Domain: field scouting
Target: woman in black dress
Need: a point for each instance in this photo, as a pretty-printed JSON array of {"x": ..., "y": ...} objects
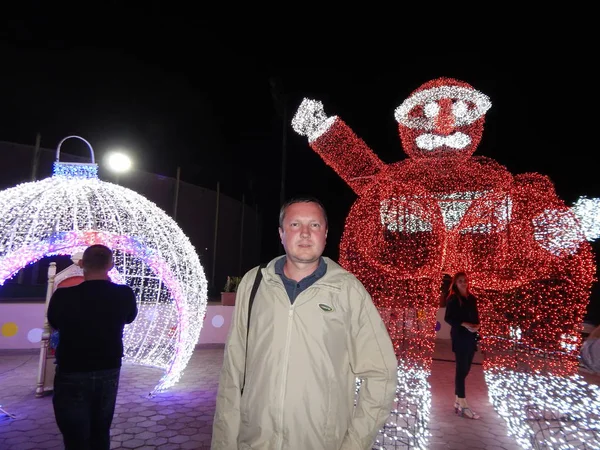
[{"x": 462, "y": 316}]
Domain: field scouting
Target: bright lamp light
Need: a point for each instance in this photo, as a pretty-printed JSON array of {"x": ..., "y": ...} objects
[{"x": 118, "y": 162}]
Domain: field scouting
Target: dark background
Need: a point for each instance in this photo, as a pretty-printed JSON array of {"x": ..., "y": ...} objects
[{"x": 214, "y": 95}]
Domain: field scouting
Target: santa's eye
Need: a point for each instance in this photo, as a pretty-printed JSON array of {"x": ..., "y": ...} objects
[
  {"x": 416, "y": 112},
  {"x": 431, "y": 109},
  {"x": 460, "y": 109}
]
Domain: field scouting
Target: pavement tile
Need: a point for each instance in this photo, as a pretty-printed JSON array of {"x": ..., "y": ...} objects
[
  {"x": 156, "y": 441},
  {"x": 135, "y": 430},
  {"x": 168, "y": 447},
  {"x": 133, "y": 443},
  {"x": 167, "y": 433},
  {"x": 147, "y": 423},
  {"x": 51, "y": 443},
  {"x": 179, "y": 439},
  {"x": 122, "y": 437},
  {"x": 40, "y": 438},
  {"x": 190, "y": 445},
  {"x": 145, "y": 435},
  {"x": 16, "y": 439}
]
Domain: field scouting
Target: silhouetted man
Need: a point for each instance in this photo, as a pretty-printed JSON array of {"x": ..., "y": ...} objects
[{"x": 90, "y": 319}]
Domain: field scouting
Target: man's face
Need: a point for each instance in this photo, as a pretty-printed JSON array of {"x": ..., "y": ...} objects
[
  {"x": 442, "y": 118},
  {"x": 304, "y": 232}
]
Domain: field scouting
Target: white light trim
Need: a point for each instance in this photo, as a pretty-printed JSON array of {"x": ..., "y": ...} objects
[{"x": 481, "y": 101}]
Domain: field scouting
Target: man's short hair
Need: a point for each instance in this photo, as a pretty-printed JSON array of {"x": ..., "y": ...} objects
[
  {"x": 304, "y": 199},
  {"x": 97, "y": 257}
]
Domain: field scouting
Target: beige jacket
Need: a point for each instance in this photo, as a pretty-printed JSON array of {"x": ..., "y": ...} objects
[{"x": 303, "y": 361}]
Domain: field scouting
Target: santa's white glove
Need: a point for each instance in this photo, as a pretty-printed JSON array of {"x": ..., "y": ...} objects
[
  {"x": 587, "y": 211},
  {"x": 558, "y": 231},
  {"x": 310, "y": 119}
]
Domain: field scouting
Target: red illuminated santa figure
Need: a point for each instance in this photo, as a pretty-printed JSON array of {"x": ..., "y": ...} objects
[{"x": 441, "y": 211}]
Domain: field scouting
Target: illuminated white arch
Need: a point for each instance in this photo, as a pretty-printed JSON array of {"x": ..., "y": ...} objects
[{"x": 73, "y": 209}]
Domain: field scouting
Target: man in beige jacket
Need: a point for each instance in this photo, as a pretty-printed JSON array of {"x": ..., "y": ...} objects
[{"x": 314, "y": 330}]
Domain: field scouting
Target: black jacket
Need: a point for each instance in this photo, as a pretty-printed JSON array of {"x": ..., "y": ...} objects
[{"x": 458, "y": 312}]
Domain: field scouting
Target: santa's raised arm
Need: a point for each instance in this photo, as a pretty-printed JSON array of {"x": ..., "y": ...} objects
[{"x": 337, "y": 144}]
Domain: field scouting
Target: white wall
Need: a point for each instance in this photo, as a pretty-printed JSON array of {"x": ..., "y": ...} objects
[{"x": 21, "y": 325}]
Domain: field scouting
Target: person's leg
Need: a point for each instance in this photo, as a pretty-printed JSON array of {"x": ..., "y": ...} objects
[
  {"x": 464, "y": 360},
  {"x": 468, "y": 363},
  {"x": 106, "y": 385},
  {"x": 462, "y": 368},
  {"x": 72, "y": 402}
]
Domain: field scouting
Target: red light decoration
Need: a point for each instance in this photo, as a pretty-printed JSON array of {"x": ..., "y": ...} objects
[{"x": 443, "y": 210}]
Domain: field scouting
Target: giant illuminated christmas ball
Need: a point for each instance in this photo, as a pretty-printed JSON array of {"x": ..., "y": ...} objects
[{"x": 72, "y": 209}]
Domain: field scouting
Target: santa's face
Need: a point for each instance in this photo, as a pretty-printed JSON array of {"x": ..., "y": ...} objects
[{"x": 442, "y": 118}]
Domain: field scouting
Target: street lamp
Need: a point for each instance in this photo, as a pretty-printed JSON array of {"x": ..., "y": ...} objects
[{"x": 118, "y": 162}]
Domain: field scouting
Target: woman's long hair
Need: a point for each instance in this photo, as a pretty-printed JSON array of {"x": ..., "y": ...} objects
[{"x": 454, "y": 290}]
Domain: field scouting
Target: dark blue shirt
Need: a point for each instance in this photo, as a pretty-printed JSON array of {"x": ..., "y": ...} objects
[{"x": 293, "y": 287}]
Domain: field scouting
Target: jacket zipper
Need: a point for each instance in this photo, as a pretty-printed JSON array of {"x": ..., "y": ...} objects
[{"x": 286, "y": 358}]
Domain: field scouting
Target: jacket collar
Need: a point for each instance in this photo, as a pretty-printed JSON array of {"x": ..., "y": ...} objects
[
  {"x": 333, "y": 278},
  {"x": 318, "y": 272}
]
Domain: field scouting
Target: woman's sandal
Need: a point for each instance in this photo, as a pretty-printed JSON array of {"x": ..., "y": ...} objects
[
  {"x": 456, "y": 407},
  {"x": 468, "y": 413}
]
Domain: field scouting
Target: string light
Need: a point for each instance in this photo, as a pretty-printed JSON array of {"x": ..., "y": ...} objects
[
  {"x": 587, "y": 211},
  {"x": 406, "y": 427},
  {"x": 546, "y": 411},
  {"x": 65, "y": 213},
  {"x": 76, "y": 170},
  {"x": 442, "y": 211}
]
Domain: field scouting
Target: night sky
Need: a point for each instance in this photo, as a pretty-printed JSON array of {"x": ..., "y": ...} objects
[{"x": 211, "y": 97}]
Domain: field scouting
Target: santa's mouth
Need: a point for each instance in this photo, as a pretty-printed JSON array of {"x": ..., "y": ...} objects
[{"x": 431, "y": 141}]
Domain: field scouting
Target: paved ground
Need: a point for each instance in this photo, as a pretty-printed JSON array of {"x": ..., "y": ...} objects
[{"x": 182, "y": 417}]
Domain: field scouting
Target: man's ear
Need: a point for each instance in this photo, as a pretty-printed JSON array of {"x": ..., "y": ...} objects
[
  {"x": 280, "y": 233},
  {"x": 80, "y": 263}
]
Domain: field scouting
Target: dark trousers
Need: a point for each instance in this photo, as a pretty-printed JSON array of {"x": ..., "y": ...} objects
[
  {"x": 464, "y": 359},
  {"x": 84, "y": 405}
]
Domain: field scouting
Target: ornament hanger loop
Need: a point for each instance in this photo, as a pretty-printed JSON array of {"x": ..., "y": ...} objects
[{"x": 78, "y": 137}]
